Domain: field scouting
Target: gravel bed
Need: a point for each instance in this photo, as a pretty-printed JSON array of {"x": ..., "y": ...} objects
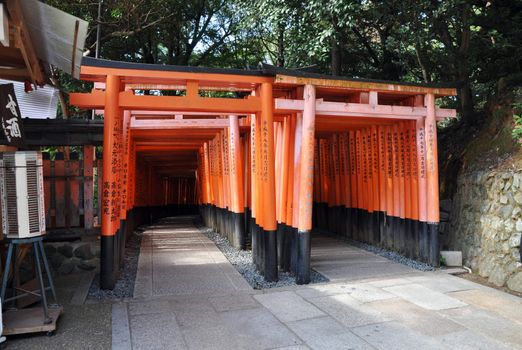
[
  {"x": 242, "y": 261},
  {"x": 124, "y": 287},
  {"x": 388, "y": 254}
]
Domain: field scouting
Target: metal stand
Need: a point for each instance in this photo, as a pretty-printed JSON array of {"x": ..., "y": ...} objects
[{"x": 39, "y": 253}]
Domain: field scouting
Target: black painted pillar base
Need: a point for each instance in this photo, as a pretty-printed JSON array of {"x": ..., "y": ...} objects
[
  {"x": 433, "y": 252},
  {"x": 121, "y": 241},
  {"x": 390, "y": 228},
  {"x": 346, "y": 221},
  {"x": 281, "y": 235},
  {"x": 255, "y": 246},
  {"x": 402, "y": 237},
  {"x": 286, "y": 261},
  {"x": 247, "y": 220},
  {"x": 302, "y": 271},
  {"x": 238, "y": 229},
  {"x": 293, "y": 249},
  {"x": 376, "y": 230},
  {"x": 409, "y": 238},
  {"x": 423, "y": 241},
  {"x": 381, "y": 219},
  {"x": 270, "y": 256},
  {"x": 107, "y": 268}
]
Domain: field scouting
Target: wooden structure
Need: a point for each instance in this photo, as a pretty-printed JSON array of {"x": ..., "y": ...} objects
[
  {"x": 69, "y": 186},
  {"x": 279, "y": 152}
]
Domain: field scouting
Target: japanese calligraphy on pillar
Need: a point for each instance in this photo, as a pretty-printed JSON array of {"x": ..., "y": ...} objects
[{"x": 264, "y": 150}]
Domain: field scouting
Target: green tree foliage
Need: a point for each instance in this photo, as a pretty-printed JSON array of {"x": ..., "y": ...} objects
[{"x": 475, "y": 44}]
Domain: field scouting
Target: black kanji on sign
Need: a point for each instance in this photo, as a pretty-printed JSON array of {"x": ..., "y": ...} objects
[{"x": 10, "y": 117}]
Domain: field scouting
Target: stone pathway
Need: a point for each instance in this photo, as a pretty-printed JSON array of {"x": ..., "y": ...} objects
[{"x": 188, "y": 296}]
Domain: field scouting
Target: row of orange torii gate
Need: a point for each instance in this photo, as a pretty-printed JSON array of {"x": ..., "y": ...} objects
[{"x": 278, "y": 154}]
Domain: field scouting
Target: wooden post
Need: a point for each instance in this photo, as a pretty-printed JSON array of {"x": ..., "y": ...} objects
[
  {"x": 306, "y": 184},
  {"x": 422, "y": 193},
  {"x": 268, "y": 182},
  {"x": 236, "y": 184},
  {"x": 292, "y": 246},
  {"x": 111, "y": 169},
  {"x": 432, "y": 177}
]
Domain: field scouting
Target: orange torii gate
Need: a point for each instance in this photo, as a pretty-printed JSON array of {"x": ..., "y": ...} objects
[{"x": 282, "y": 153}]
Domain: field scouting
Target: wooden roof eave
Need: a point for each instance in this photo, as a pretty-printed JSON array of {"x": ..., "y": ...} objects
[{"x": 361, "y": 85}]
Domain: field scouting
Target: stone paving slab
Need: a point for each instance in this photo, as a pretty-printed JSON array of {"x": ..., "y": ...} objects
[
  {"x": 120, "y": 327},
  {"x": 258, "y": 329},
  {"x": 233, "y": 302},
  {"x": 156, "y": 331},
  {"x": 395, "y": 336},
  {"x": 469, "y": 340},
  {"x": 487, "y": 323},
  {"x": 149, "y": 307},
  {"x": 288, "y": 306},
  {"x": 326, "y": 333},
  {"x": 425, "y": 297},
  {"x": 499, "y": 304},
  {"x": 363, "y": 292},
  {"x": 416, "y": 318},
  {"x": 349, "y": 311},
  {"x": 442, "y": 283}
]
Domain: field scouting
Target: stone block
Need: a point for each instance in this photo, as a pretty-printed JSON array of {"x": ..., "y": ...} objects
[
  {"x": 498, "y": 276},
  {"x": 87, "y": 265},
  {"x": 66, "y": 250},
  {"x": 66, "y": 268},
  {"x": 84, "y": 252},
  {"x": 49, "y": 249},
  {"x": 452, "y": 258},
  {"x": 518, "y": 225},
  {"x": 518, "y": 198},
  {"x": 515, "y": 282},
  {"x": 56, "y": 260}
]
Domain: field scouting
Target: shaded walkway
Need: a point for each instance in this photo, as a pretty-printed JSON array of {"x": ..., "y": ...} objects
[
  {"x": 338, "y": 260},
  {"x": 177, "y": 259},
  {"x": 188, "y": 296}
]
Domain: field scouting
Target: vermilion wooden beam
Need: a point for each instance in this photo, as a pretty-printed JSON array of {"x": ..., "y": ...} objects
[
  {"x": 185, "y": 124},
  {"x": 128, "y": 100},
  {"x": 364, "y": 85},
  {"x": 362, "y": 110},
  {"x": 143, "y": 76}
]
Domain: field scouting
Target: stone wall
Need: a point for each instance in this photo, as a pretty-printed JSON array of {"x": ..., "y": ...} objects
[
  {"x": 485, "y": 223},
  {"x": 69, "y": 257}
]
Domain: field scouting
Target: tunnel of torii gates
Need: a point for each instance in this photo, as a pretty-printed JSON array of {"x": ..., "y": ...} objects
[{"x": 280, "y": 153}]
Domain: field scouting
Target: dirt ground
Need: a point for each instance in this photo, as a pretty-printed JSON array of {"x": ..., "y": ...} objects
[{"x": 86, "y": 326}]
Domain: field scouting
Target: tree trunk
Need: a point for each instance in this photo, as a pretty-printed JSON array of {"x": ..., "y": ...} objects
[
  {"x": 281, "y": 45},
  {"x": 336, "y": 57},
  {"x": 465, "y": 97}
]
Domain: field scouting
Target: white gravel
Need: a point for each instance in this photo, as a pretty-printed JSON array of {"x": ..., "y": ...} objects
[
  {"x": 390, "y": 255},
  {"x": 124, "y": 287},
  {"x": 242, "y": 261}
]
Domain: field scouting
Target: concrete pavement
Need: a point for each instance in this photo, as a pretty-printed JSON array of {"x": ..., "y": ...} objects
[{"x": 188, "y": 296}]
